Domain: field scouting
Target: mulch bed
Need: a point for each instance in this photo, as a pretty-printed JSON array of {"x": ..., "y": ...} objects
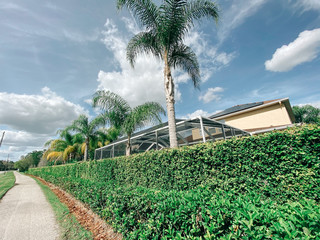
[{"x": 86, "y": 217}]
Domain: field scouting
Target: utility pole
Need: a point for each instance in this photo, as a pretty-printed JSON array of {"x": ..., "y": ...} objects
[{"x": 2, "y": 138}]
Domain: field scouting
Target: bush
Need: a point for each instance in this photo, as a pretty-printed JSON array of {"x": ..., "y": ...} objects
[{"x": 263, "y": 186}]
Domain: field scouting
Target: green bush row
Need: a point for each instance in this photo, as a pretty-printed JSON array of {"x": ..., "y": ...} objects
[
  {"x": 284, "y": 162},
  {"x": 257, "y": 187}
]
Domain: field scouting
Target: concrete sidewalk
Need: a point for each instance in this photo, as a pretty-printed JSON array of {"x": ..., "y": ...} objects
[{"x": 26, "y": 214}]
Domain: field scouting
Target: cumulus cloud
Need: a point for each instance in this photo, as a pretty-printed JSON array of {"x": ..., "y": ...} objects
[
  {"x": 142, "y": 83},
  {"x": 197, "y": 113},
  {"x": 211, "y": 94},
  {"x": 21, "y": 140},
  {"x": 40, "y": 114},
  {"x": 303, "y": 49},
  {"x": 18, "y": 143}
]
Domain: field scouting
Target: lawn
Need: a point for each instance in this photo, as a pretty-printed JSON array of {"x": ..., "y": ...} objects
[{"x": 7, "y": 181}]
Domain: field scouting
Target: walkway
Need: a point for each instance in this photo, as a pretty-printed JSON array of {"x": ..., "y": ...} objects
[{"x": 26, "y": 214}]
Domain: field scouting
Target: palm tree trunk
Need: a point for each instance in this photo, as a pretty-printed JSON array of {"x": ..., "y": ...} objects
[
  {"x": 128, "y": 147},
  {"x": 169, "y": 90},
  {"x": 86, "y": 150}
]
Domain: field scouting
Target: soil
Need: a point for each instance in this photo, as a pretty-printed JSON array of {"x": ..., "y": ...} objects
[{"x": 86, "y": 217}]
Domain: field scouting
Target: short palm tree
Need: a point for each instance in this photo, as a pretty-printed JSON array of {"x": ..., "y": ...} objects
[
  {"x": 165, "y": 28},
  {"x": 66, "y": 147},
  {"x": 120, "y": 115},
  {"x": 88, "y": 130}
]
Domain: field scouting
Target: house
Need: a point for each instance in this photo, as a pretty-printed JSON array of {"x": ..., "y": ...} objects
[{"x": 258, "y": 117}]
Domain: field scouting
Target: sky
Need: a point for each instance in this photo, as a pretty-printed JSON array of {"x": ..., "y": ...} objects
[{"x": 54, "y": 55}]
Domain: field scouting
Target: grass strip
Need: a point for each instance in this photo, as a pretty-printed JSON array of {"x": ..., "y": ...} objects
[
  {"x": 7, "y": 181},
  {"x": 70, "y": 228}
]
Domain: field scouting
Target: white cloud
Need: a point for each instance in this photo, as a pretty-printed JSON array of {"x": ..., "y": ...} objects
[
  {"x": 41, "y": 114},
  {"x": 236, "y": 14},
  {"x": 210, "y": 59},
  {"x": 18, "y": 143},
  {"x": 197, "y": 113},
  {"x": 308, "y": 4},
  {"x": 211, "y": 94},
  {"x": 16, "y": 149},
  {"x": 131, "y": 25},
  {"x": 20, "y": 140},
  {"x": 304, "y": 49},
  {"x": 137, "y": 85},
  {"x": 314, "y": 104}
]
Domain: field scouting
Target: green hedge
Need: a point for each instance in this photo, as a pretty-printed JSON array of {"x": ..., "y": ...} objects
[{"x": 261, "y": 186}]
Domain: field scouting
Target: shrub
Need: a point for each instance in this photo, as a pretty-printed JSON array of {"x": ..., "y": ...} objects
[{"x": 263, "y": 186}]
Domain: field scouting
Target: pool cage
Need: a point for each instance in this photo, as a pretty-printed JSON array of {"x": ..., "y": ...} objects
[{"x": 189, "y": 132}]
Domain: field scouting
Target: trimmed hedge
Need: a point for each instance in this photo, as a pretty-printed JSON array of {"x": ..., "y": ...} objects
[{"x": 265, "y": 186}]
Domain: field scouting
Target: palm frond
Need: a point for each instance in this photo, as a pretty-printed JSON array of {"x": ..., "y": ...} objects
[
  {"x": 144, "y": 42},
  {"x": 66, "y": 135},
  {"x": 110, "y": 101},
  {"x": 198, "y": 9},
  {"x": 183, "y": 57},
  {"x": 54, "y": 156},
  {"x": 116, "y": 108},
  {"x": 77, "y": 138},
  {"x": 145, "y": 11},
  {"x": 173, "y": 22},
  {"x": 147, "y": 113},
  {"x": 58, "y": 145},
  {"x": 80, "y": 125},
  {"x": 96, "y": 123},
  {"x": 67, "y": 152},
  {"x": 48, "y": 143}
]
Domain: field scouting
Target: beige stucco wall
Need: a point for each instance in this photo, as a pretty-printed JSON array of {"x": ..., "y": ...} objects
[
  {"x": 197, "y": 135},
  {"x": 270, "y": 116}
]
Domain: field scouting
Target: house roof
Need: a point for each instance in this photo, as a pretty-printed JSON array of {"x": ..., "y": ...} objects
[{"x": 238, "y": 109}]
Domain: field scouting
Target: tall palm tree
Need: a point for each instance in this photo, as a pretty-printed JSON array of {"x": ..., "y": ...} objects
[
  {"x": 120, "y": 115},
  {"x": 89, "y": 130},
  {"x": 165, "y": 28}
]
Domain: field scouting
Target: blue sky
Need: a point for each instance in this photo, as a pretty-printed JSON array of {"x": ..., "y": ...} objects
[{"x": 55, "y": 54}]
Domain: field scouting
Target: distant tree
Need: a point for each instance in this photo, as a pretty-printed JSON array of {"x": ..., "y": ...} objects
[
  {"x": 120, "y": 115},
  {"x": 32, "y": 159},
  {"x": 306, "y": 114},
  {"x": 2, "y": 166},
  {"x": 165, "y": 27},
  {"x": 23, "y": 164}
]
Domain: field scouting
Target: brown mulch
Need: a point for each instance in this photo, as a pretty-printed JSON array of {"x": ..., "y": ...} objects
[{"x": 85, "y": 216}]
